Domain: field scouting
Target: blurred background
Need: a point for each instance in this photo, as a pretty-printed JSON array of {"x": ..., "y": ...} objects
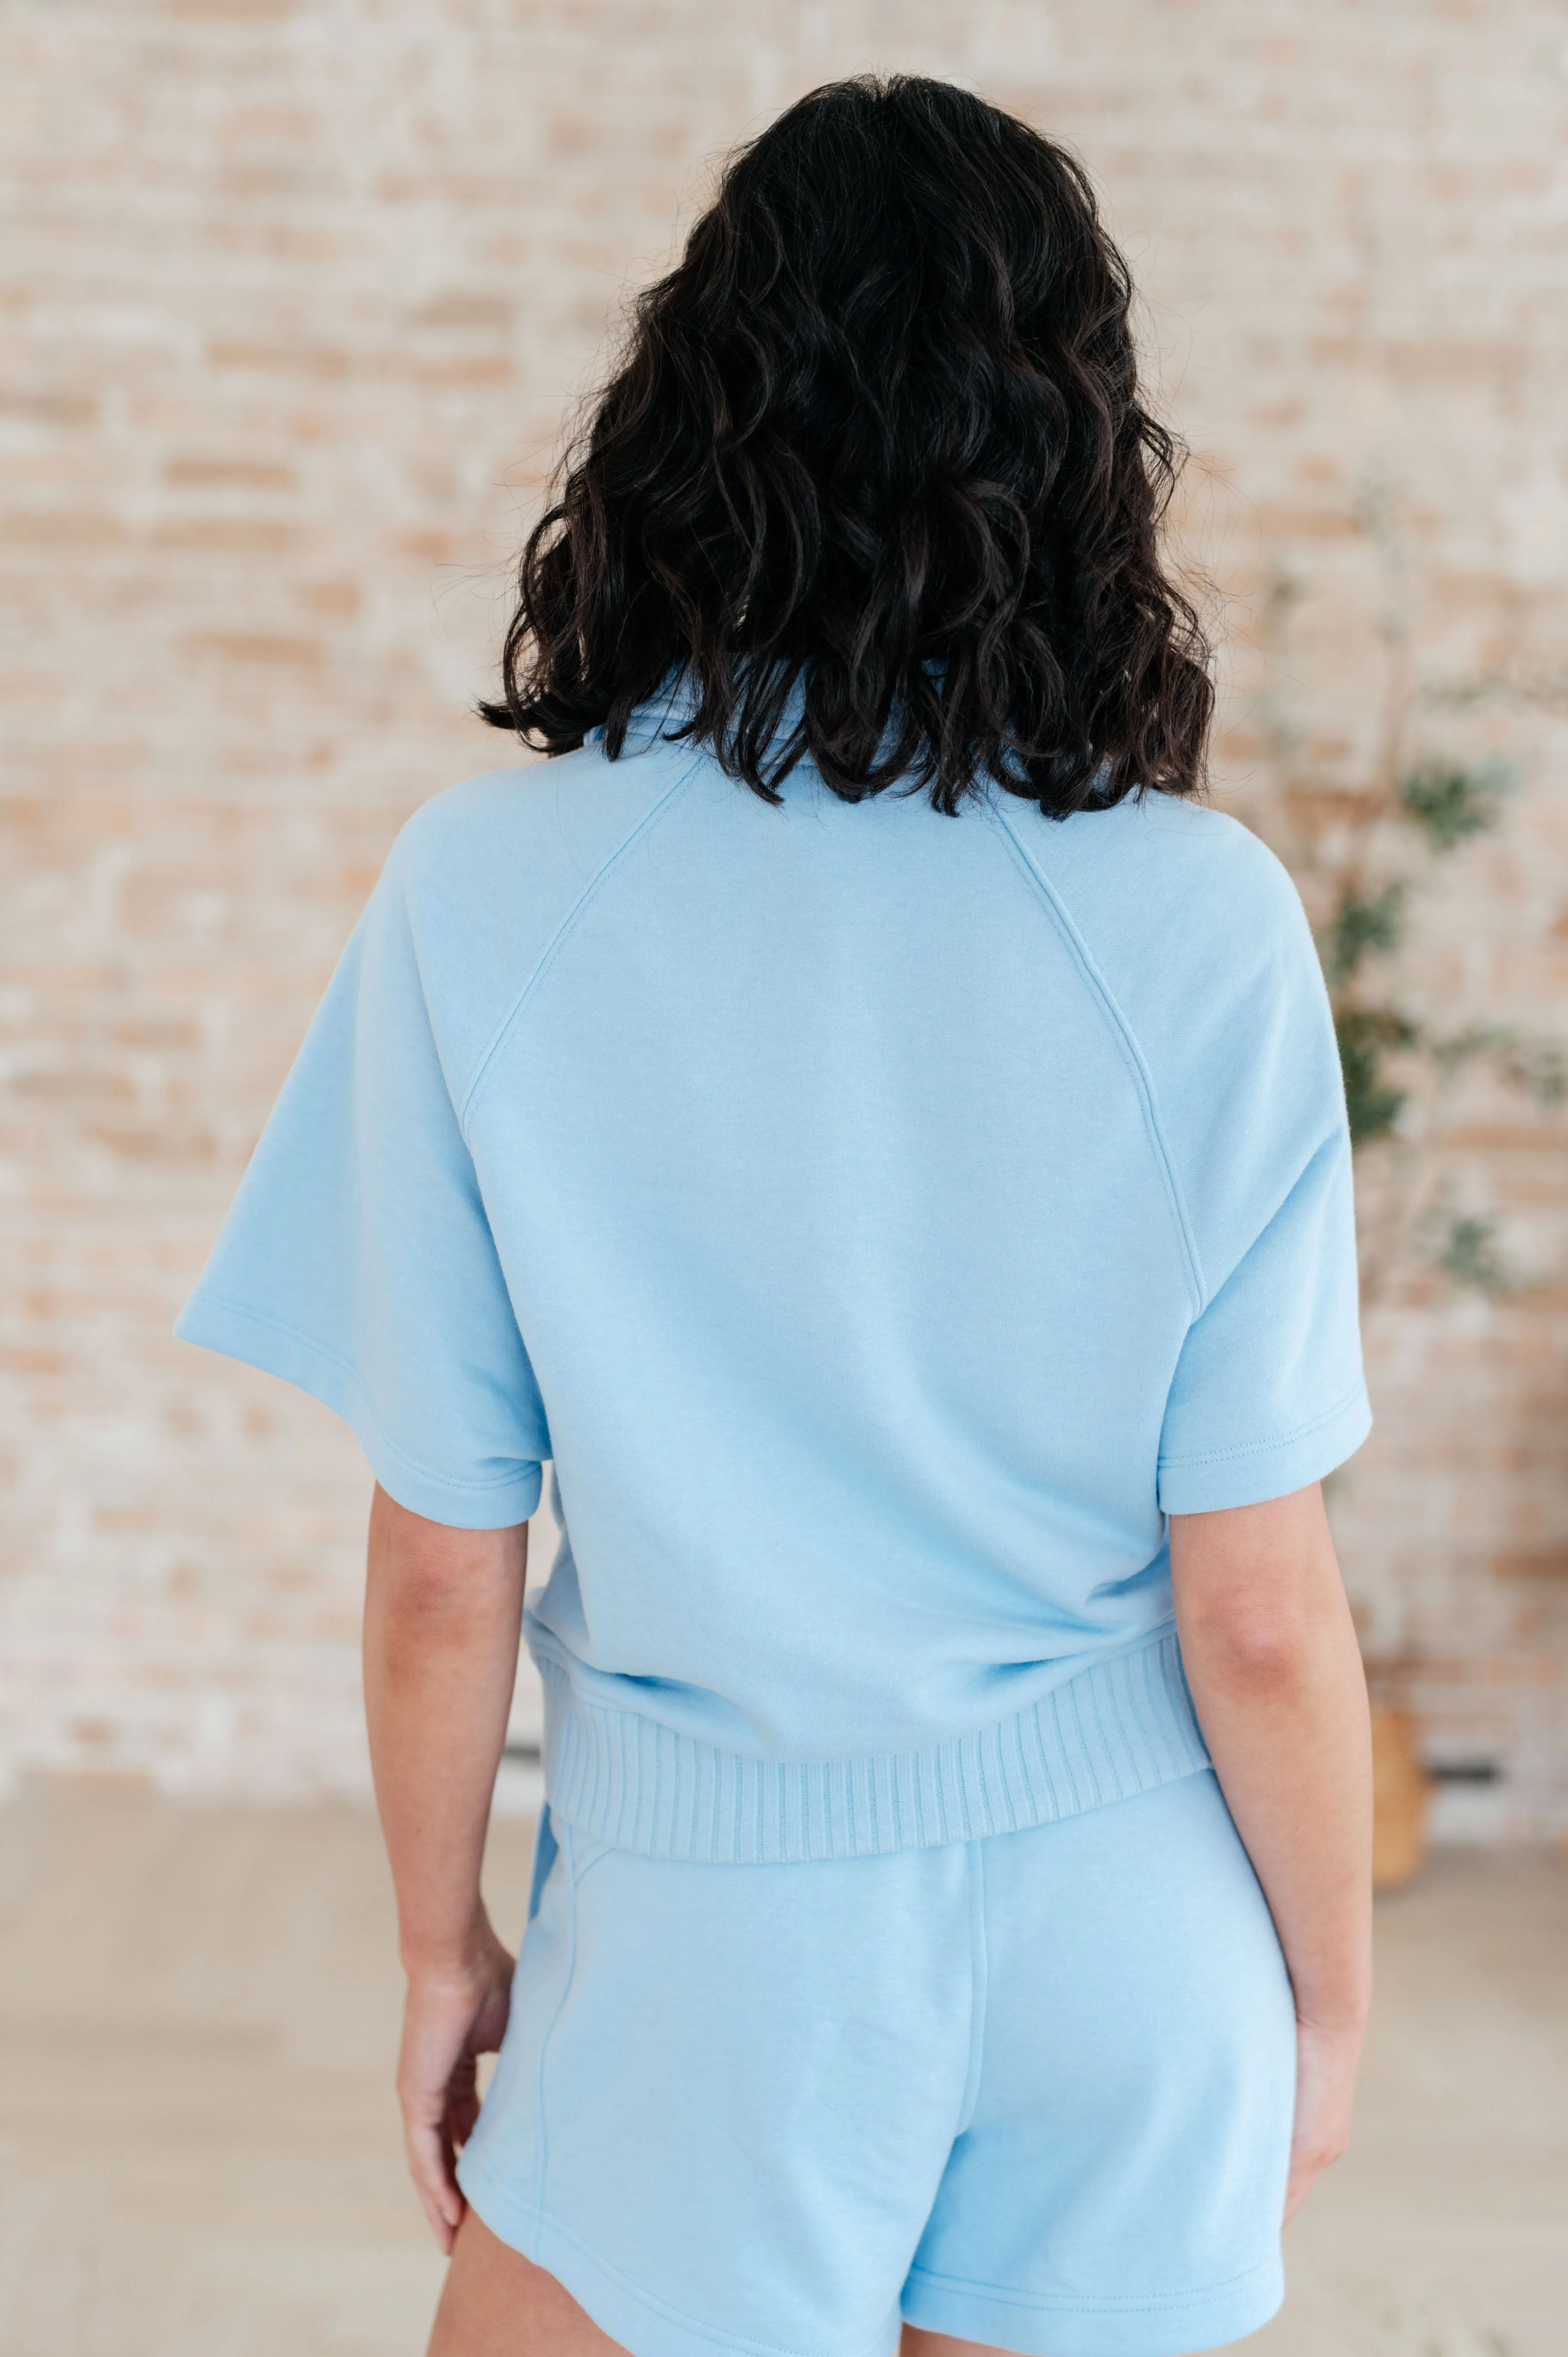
[{"x": 296, "y": 298}]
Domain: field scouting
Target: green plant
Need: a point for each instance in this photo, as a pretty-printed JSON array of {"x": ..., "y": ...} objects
[
  {"x": 1367, "y": 851},
  {"x": 1446, "y": 806}
]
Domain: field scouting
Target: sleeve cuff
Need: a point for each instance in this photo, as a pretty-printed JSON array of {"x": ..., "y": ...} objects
[
  {"x": 487, "y": 1503},
  {"x": 1271, "y": 1468}
]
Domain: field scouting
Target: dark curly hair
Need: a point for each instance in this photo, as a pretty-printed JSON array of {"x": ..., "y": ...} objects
[{"x": 872, "y": 480}]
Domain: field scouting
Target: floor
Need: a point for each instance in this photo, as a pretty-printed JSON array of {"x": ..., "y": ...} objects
[{"x": 199, "y": 2150}]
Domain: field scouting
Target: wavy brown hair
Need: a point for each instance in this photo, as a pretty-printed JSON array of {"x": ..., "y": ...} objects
[{"x": 872, "y": 480}]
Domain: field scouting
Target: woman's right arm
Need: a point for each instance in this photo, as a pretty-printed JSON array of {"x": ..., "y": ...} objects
[
  {"x": 443, "y": 1610},
  {"x": 1275, "y": 1673}
]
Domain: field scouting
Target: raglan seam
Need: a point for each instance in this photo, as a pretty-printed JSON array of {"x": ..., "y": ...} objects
[
  {"x": 559, "y": 938},
  {"x": 1133, "y": 1054}
]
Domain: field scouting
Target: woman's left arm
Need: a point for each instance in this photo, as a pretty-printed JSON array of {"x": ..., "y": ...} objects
[{"x": 443, "y": 1614}]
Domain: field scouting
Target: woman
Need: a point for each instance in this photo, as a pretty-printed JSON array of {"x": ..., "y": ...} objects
[{"x": 859, "y": 1116}]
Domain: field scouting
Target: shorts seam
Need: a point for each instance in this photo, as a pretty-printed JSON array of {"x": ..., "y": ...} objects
[
  {"x": 549, "y": 2038},
  {"x": 979, "y": 1986},
  {"x": 1004, "y": 2295},
  {"x": 581, "y": 1873},
  {"x": 538, "y": 2218}
]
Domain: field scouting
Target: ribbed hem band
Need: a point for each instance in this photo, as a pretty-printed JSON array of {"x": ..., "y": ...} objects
[{"x": 1121, "y": 1727}]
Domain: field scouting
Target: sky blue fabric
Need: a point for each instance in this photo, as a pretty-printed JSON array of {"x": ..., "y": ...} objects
[
  {"x": 882, "y": 1221},
  {"x": 1034, "y": 2091}
]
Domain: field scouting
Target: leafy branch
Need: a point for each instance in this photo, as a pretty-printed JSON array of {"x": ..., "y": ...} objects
[{"x": 1375, "y": 845}]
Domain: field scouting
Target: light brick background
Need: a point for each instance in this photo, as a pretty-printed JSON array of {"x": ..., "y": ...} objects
[{"x": 292, "y": 301}]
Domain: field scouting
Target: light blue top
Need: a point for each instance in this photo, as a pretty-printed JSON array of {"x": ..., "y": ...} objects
[{"x": 881, "y": 1220}]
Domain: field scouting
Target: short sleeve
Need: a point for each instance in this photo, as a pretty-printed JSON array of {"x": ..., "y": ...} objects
[
  {"x": 1268, "y": 1394},
  {"x": 358, "y": 1261}
]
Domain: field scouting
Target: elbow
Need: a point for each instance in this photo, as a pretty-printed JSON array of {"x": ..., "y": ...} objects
[
  {"x": 1253, "y": 1653},
  {"x": 427, "y": 1597},
  {"x": 434, "y": 1598},
  {"x": 1260, "y": 1604}
]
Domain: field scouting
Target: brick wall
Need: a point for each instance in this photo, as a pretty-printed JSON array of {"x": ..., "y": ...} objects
[{"x": 294, "y": 301}]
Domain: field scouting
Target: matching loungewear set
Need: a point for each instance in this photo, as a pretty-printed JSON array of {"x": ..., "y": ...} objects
[{"x": 880, "y": 1222}]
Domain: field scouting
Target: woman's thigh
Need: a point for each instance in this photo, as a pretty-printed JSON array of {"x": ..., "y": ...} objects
[
  {"x": 496, "y": 2303},
  {"x": 499, "y": 2304}
]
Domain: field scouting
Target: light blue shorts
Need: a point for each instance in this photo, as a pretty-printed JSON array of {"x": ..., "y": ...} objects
[{"x": 1034, "y": 2091}]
